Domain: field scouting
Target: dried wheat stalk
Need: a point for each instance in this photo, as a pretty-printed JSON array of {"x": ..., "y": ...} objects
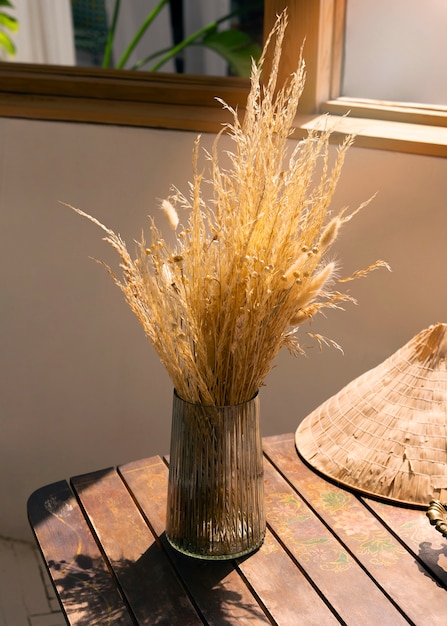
[{"x": 250, "y": 264}]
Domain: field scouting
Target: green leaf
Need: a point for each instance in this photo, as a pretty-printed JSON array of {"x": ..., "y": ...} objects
[
  {"x": 6, "y": 3},
  {"x": 141, "y": 31},
  {"x": 7, "y": 44},
  {"x": 235, "y": 47},
  {"x": 111, "y": 36},
  {"x": 9, "y": 22}
]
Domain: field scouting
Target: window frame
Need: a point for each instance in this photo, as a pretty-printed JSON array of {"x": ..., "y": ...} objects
[
  {"x": 378, "y": 124},
  {"x": 119, "y": 97},
  {"x": 186, "y": 102}
]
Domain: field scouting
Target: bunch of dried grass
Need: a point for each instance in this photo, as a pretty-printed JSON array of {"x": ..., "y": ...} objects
[{"x": 250, "y": 265}]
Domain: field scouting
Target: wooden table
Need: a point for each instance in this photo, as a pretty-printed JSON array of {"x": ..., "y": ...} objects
[{"x": 329, "y": 556}]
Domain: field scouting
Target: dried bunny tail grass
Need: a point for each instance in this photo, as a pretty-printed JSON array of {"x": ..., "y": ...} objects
[
  {"x": 330, "y": 233},
  {"x": 171, "y": 214},
  {"x": 314, "y": 286},
  {"x": 249, "y": 265}
]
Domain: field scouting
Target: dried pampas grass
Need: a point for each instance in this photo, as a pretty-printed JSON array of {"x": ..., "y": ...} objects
[{"x": 248, "y": 266}]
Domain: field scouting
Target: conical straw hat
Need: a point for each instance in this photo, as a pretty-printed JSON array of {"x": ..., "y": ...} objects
[{"x": 385, "y": 433}]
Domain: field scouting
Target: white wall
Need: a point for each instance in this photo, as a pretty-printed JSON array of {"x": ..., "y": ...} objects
[{"x": 80, "y": 388}]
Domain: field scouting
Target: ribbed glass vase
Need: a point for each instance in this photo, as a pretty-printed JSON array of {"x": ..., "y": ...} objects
[{"x": 216, "y": 486}]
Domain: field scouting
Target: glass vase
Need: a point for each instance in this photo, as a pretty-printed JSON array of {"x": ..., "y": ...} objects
[{"x": 216, "y": 487}]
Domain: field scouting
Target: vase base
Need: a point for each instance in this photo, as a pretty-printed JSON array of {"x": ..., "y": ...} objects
[{"x": 214, "y": 556}]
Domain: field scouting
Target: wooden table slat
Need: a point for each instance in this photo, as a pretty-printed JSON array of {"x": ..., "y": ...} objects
[
  {"x": 380, "y": 553},
  {"x": 87, "y": 591},
  {"x": 323, "y": 557},
  {"x": 413, "y": 528},
  {"x": 145, "y": 576},
  {"x": 283, "y": 588},
  {"x": 330, "y": 555}
]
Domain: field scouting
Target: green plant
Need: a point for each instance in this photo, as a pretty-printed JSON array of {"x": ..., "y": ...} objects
[
  {"x": 8, "y": 23},
  {"x": 233, "y": 45}
]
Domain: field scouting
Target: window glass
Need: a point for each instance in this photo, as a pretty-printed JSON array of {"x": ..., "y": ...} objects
[
  {"x": 185, "y": 36},
  {"x": 396, "y": 50}
]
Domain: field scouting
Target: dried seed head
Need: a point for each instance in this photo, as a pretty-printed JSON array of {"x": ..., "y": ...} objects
[
  {"x": 303, "y": 314},
  {"x": 330, "y": 233},
  {"x": 170, "y": 213},
  {"x": 314, "y": 286},
  {"x": 296, "y": 268}
]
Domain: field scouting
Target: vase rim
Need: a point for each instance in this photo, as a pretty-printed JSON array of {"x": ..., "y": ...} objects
[{"x": 215, "y": 406}]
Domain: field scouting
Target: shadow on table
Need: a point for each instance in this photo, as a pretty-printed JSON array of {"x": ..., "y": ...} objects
[
  {"x": 151, "y": 588},
  {"x": 159, "y": 587},
  {"x": 84, "y": 587},
  {"x": 433, "y": 557},
  {"x": 221, "y": 595}
]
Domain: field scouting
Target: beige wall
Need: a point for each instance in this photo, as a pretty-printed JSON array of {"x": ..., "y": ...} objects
[{"x": 80, "y": 388}]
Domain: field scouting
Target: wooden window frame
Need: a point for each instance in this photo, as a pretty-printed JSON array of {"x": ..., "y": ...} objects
[
  {"x": 187, "y": 102},
  {"x": 383, "y": 125},
  {"x": 118, "y": 97}
]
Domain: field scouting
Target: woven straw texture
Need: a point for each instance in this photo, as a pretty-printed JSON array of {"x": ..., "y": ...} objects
[{"x": 385, "y": 433}]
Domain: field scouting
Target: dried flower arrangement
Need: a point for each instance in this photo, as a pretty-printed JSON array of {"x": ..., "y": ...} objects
[{"x": 250, "y": 265}]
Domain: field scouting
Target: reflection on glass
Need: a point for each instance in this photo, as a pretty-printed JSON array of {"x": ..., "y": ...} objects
[
  {"x": 191, "y": 36},
  {"x": 396, "y": 50}
]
